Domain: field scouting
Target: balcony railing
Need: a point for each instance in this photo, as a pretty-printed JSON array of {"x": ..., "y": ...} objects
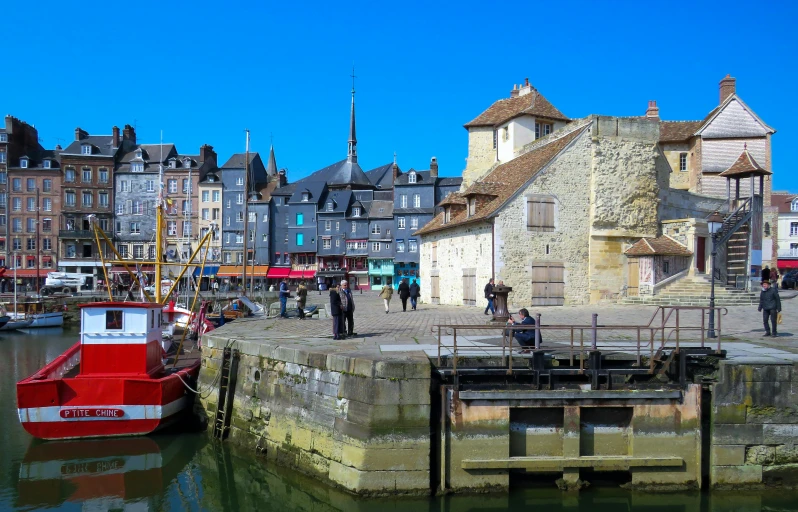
[{"x": 79, "y": 233}]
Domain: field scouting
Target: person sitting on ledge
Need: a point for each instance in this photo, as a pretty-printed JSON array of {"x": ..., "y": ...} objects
[{"x": 525, "y": 337}]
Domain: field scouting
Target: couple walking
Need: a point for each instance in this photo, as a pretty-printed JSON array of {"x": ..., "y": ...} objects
[
  {"x": 342, "y": 309},
  {"x": 412, "y": 292}
]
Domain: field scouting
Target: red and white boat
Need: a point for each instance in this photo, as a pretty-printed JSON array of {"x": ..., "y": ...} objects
[{"x": 113, "y": 382}]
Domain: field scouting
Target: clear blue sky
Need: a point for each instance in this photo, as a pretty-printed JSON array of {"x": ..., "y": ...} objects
[{"x": 204, "y": 71}]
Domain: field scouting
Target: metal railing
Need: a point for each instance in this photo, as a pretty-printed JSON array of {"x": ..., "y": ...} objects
[{"x": 646, "y": 339}]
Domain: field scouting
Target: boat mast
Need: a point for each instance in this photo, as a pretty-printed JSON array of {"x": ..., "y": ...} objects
[
  {"x": 158, "y": 228},
  {"x": 246, "y": 218},
  {"x": 38, "y": 249}
]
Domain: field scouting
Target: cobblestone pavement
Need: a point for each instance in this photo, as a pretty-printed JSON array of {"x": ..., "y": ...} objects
[{"x": 411, "y": 331}]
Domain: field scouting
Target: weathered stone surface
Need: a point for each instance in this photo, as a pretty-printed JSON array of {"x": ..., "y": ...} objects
[
  {"x": 737, "y": 434},
  {"x": 770, "y": 414},
  {"x": 787, "y": 454},
  {"x": 762, "y": 455},
  {"x": 732, "y": 413},
  {"x": 728, "y": 455},
  {"x": 736, "y": 475},
  {"x": 780, "y": 434},
  {"x": 785, "y": 475}
]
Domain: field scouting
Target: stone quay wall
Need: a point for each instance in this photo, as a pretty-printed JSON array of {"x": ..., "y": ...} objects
[{"x": 755, "y": 426}]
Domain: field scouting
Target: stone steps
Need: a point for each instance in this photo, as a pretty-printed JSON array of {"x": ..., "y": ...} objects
[{"x": 695, "y": 291}]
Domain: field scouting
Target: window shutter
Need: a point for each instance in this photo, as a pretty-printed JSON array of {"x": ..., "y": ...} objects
[{"x": 540, "y": 214}]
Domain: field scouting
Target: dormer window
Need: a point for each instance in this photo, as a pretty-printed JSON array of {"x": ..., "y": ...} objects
[
  {"x": 794, "y": 205},
  {"x": 138, "y": 153},
  {"x": 85, "y": 149},
  {"x": 23, "y": 163},
  {"x": 447, "y": 214},
  {"x": 46, "y": 164},
  {"x": 187, "y": 163},
  {"x": 330, "y": 206},
  {"x": 305, "y": 197},
  {"x": 137, "y": 167},
  {"x": 3, "y": 137},
  {"x": 411, "y": 178},
  {"x": 355, "y": 211},
  {"x": 172, "y": 164},
  {"x": 472, "y": 206}
]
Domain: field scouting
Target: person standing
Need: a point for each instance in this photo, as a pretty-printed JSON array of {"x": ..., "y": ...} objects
[
  {"x": 385, "y": 295},
  {"x": 335, "y": 312},
  {"x": 770, "y": 306},
  {"x": 215, "y": 288},
  {"x": 347, "y": 308},
  {"x": 284, "y": 293},
  {"x": 489, "y": 296},
  {"x": 301, "y": 299},
  {"x": 415, "y": 293},
  {"x": 766, "y": 274},
  {"x": 404, "y": 293}
]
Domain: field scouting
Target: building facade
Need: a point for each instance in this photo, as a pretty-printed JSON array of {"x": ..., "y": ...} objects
[
  {"x": 234, "y": 193},
  {"x": 787, "y": 246}
]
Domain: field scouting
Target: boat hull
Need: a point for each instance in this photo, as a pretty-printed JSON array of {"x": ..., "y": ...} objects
[
  {"x": 47, "y": 320},
  {"x": 51, "y": 405}
]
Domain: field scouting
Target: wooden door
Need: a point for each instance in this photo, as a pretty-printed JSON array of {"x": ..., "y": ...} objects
[
  {"x": 548, "y": 284},
  {"x": 435, "y": 289},
  {"x": 633, "y": 281},
  {"x": 469, "y": 287},
  {"x": 701, "y": 255}
]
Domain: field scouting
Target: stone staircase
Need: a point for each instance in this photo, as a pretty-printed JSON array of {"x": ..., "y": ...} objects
[{"x": 695, "y": 291}]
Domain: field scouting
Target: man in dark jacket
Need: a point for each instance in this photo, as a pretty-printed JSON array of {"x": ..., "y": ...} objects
[
  {"x": 284, "y": 293},
  {"x": 336, "y": 312},
  {"x": 347, "y": 308},
  {"x": 489, "y": 296},
  {"x": 415, "y": 293},
  {"x": 525, "y": 337},
  {"x": 770, "y": 306},
  {"x": 404, "y": 293}
]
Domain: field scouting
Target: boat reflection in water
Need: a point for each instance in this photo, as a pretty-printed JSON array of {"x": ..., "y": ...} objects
[{"x": 105, "y": 474}]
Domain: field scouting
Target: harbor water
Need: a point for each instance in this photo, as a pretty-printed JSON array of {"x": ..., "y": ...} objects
[{"x": 191, "y": 472}]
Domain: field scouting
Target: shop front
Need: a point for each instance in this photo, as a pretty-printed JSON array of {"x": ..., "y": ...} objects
[
  {"x": 380, "y": 273},
  {"x": 409, "y": 271}
]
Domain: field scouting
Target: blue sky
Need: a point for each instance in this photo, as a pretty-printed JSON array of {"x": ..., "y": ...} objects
[{"x": 204, "y": 71}]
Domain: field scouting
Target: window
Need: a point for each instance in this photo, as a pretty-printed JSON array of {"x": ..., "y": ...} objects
[
  {"x": 138, "y": 251},
  {"x": 305, "y": 197},
  {"x": 472, "y": 206},
  {"x": 186, "y": 186},
  {"x": 85, "y": 149},
  {"x": 375, "y": 246},
  {"x": 338, "y": 242},
  {"x": 69, "y": 198},
  {"x": 793, "y": 249},
  {"x": 400, "y": 222},
  {"x": 2, "y": 157},
  {"x": 355, "y": 211},
  {"x": 150, "y": 185},
  {"x": 47, "y": 244},
  {"x": 47, "y": 204},
  {"x": 85, "y": 176},
  {"x": 31, "y": 184},
  {"x": 215, "y": 214},
  {"x": 47, "y": 185},
  {"x": 682, "y": 161},
  {"x": 413, "y": 222},
  {"x": 327, "y": 225},
  {"x": 794, "y": 205},
  {"x": 403, "y": 201},
  {"x": 240, "y": 181},
  {"x": 411, "y": 178},
  {"x": 416, "y": 201},
  {"x": 172, "y": 186},
  {"x": 113, "y": 319},
  {"x": 540, "y": 213},
  {"x": 103, "y": 175},
  {"x": 87, "y": 198},
  {"x": 227, "y": 238},
  {"x": 400, "y": 246},
  {"x": 206, "y": 214},
  {"x": 3, "y": 137},
  {"x": 300, "y": 239},
  {"x": 337, "y": 226},
  {"x": 171, "y": 228},
  {"x": 17, "y": 204},
  {"x": 265, "y": 218},
  {"x": 31, "y": 244},
  {"x": 123, "y": 186},
  {"x": 354, "y": 227},
  {"x": 300, "y": 219},
  {"x": 46, "y": 163},
  {"x": 206, "y": 196},
  {"x": 326, "y": 243},
  {"x": 16, "y": 184},
  {"x": 542, "y": 129},
  {"x": 103, "y": 224},
  {"x": 412, "y": 245},
  {"x": 240, "y": 198},
  {"x": 120, "y": 208},
  {"x": 240, "y": 217},
  {"x": 229, "y": 203},
  {"x": 47, "y": 225},
  {"x": 3, "y": 175},
  {"x": 216, "y": 196},
  {"x": 23, "y": 163},
  {"x": 151, "y": 252},
  {"x": 31, "y": 206},
  {"x": 228, "y": 258},
  {"x": 794, "y": 229},
  {"x": 253, "y": 216},
  {"x": 184, "y": 208},
  {"x": 69, "y": 175},
  {"x": 239, "y": 238},
  {"x": 375, "y": 229},
  {"x": 137, "y": 207},
  {"x": 447, "y": 214},
  {"x": 239, "y": 258},
  {"x": 17, "y": 245},
  {"x": 135, "y": 228},
  {"x": 103, "y": 199},
  {"x": 495, "y": 138},
  {"x": 118, "y": 228},
  {"x": 31, "y": 225},
  {"x": 186, "y": 228},
  {"x": 137, "y": 167}
]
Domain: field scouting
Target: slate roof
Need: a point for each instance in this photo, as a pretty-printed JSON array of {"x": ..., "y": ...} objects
[
  {"x": 678, "y": 131},
  {"x": 534, "y": 104},
  {"x": 450, "y": 182},
  {"x": 271, "y": 165},
  {"x": 381, "y": 177},
  {"x": 505, "y": 180},
  {"x": 660, "y": 246},
  {"x": 745, "y": 165},
  {"x": 102, "y": 143},
  {"x": 285, "y": 190},
  {"x": 340, "y": 199},
  {"x": 387, "y": 210},
  {"x": 783, "y": 202},
  {"x": 340, "y": 174},
  {"x": 150, "y": 153},
  {"x": 237, "y": 161},
  {"x": 315, "y": 188}
]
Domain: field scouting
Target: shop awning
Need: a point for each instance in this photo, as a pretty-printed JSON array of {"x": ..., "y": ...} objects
[
  {"x": 47, "y": 259},
  {"x": 278, "y": 272},
  {"x": 788, "y": 264},
  {"x": 258, "y": 270},
  {"x": 27, "y": 272},
  {"x": 229, "y": 271},
  {"x": 210, "y": 270},
  {"x": 332, "y": 273},
  {"x": 301, "y": 274}
]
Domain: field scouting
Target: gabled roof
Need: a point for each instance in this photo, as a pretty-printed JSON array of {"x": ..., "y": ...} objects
[
  {"x": 340, "y": 200},
  {"x": 783, "y": 202},
  {"x": 314, "y": 188},
  {"x": 340, "y": 174},
  {"x": 150, "y": 153},
  {"x": 505, "y": 181},
  {"x": 678, "y": 131},
  {"x": 237, "y": 160},
  {"x": 102, "y": 143},
  {"x": 660, "y": 246},
  {"x": 381, "y": 177},
  {"x": 744, "y": 166},
  {"x": 483, "y": 188},
  {"x": 422, "y": 178},
  {"x": 533, "y": 104},
  {"x": 732, "y": 99}
]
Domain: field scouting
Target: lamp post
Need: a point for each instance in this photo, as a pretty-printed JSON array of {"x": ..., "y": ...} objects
[{"x": 714, "y": 224}]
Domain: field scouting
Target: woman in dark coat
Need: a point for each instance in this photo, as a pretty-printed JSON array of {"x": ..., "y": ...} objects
[
  {"x": 336, "y": 312},
  {"x": 404, "y": 293}
]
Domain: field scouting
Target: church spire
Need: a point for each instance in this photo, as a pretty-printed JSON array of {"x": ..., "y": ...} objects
[
  {"x": 352, "y": 152},
  {"x": 271, "y": 166}
]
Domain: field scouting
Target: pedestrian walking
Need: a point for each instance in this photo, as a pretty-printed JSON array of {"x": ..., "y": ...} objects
[
  {"x": 770, "y": 306},
  {"x": 347, "y": 308},
  {"x": 415, "y": 293},
  {"x": 215, "y": 287},
  {"x": 284, "y": 293},
  {"x": 301, "y": 299},
  {"x": 385, "y": 295},
  {"x": 404, "y": 293},
  {"x": 489, "y": 296},
  {"x": 335, "y": 312}
]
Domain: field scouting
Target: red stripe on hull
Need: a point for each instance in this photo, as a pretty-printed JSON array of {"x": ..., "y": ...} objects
[{"x": 80, "y": 429}]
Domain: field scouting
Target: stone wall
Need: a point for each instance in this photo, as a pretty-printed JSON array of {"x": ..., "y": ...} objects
[
  {"x": 755, "y": 425},
  {"x": 355, "y": 422},
  {"x": 481, "y": 154},
  {"x": 679, "y": 180},
  {"x": 681, "y": 204}
]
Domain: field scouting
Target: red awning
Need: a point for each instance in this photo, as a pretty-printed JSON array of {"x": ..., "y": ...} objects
[
  {"x": 278, "y": 272},
  {"x": 27, "y": 272},
  {"x": 788, "y": 264},
  {"x": 47, "y": 258},
  {"x": 309, "y": 274},
  {"x": 295, "y": 274}
]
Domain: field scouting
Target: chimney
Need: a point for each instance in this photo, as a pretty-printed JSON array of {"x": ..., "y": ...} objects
[
  {"x": 129, "y": 133},
  {"x": 206, "y": 153},
  {"x": 395, "y": 172},
  {"x": 58, "y": 147},
  {"x": 433, "y": 168},
  {"x": 80, "y": 134},
  {"x": 514, "y": 92},
  {"x": 525, "y": 89},
  {"x": 728, "y": 86},
  {"x": 653, "y": 109},
  {"x": 115, "y": 131}
]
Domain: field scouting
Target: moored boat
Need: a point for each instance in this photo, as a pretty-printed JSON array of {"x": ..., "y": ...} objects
[{"x": 113, "y": 382}]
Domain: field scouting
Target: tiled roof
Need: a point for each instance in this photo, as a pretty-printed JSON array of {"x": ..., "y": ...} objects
[
  {"x": 505, "y": 180},
  {"x": 744, "y": 166},
  {"x": 660, "y": 246},
  {"x": 483, "y": 188},
  {"x": 678, "y": 131},
  {"x": 534, "y": 104},
  {"x": 783, "y": 202}
]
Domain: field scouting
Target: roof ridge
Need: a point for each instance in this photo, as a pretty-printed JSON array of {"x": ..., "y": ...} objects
[
  {"x": 678, "y": 242},
  {"x": 645, "y": 240}
]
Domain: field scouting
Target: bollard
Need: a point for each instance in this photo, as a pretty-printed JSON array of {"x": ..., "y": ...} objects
[
  {"x": 594, "y": 331},
  {"x": 537, "y": 331}
]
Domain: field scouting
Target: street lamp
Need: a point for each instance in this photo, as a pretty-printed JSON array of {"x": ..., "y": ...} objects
[{"x": 714, "y": 224}]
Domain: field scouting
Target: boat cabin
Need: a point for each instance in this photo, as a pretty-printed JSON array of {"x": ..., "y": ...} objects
[{"x": 121, "y": 338}]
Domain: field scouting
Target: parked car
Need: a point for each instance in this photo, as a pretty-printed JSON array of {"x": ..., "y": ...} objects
[{"x": 790, "y": 280}]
